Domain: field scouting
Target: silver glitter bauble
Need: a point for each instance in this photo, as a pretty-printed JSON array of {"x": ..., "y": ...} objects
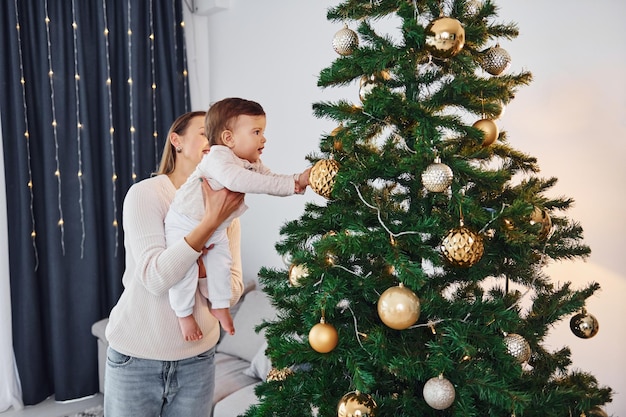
[
  {"x": 437, "y": 177},
  {"x": 495, "y": 60},
  {"x": 584, "y": 325},
  {"x": 345, "y": 41},
  {"x": 517, "y": 347},
  {"x": 439, "y": 393}
]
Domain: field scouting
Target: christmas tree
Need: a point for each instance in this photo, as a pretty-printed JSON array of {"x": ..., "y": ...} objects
[{"x": 418, "y": 287}]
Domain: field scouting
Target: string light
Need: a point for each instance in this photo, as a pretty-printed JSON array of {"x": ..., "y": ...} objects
[
  {"x": 57, "y": 173},
  {"x": 183, "y": 43},
  {"x": 154, "y": 100},
  {"x": 79, "y": 128},
  {"x": 111, "y": 129},
  {"x": 131, "y": 110},
  {"x": 33, "y": 233}
]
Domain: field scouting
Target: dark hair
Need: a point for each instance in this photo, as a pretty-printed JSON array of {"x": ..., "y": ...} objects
[
  {"x": 180, "y": 125},
  {"x": 222, "y": 113}
]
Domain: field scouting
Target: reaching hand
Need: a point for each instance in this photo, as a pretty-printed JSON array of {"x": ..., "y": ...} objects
[{"x": 303, "y": 181}]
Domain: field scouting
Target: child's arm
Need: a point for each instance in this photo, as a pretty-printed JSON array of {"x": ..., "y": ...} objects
[{"x": 228, "y": 171}]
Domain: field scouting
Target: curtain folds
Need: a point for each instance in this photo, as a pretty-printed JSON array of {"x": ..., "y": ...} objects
[{"x": 90, "y": 88}]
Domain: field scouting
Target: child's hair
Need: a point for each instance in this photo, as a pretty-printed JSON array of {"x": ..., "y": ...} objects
[{"x": 223, "y": 113}]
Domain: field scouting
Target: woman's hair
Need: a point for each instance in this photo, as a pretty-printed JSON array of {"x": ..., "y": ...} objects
[
  {"x": 222, "y": 114},
  {"x": 180, "y": 125}
]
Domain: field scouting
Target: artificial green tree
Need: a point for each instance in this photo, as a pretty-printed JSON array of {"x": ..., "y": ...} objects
[{"x": 417, "y": 287}]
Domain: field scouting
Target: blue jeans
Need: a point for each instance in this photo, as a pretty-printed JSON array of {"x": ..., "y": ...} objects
[{"x": 136, "y": 387}]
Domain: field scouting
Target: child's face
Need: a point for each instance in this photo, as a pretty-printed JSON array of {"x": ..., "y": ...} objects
[{"x": 248, "y": 138}]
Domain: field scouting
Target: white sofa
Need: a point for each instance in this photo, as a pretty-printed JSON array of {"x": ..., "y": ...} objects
[{"x": 240, "y": 362}]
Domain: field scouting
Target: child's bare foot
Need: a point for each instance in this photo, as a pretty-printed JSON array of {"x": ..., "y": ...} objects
[
  {"x": 226, "y": 320},
  {"x": 190, "y": 329}
]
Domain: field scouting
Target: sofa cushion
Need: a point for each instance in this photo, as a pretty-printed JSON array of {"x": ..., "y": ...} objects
[
  {"x": 245, "y": 343},
  {"x": 236, "y": 403},
  {"x": 229, "y": 376},
  {"x": 260, "y": 365}
]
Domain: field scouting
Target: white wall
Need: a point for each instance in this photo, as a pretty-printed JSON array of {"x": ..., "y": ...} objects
[{"x": 572, "y": 118}]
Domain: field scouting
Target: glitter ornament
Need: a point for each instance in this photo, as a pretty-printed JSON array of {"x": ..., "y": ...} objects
[
  {"x": 472, "y": 7},
  {"x": 345, "y": 41},
  {"x": 462, "y": 247},
  {"x": 518, "y": 347},
  {"x": 445, "y": 37},
  {"x": 399, "y": 307},
  {"x": 297, "y": 272},
  {"x": 495, "y": 60},
  {"x": 279, "y": 374},
  {"x": 356, "y": 404},
  {"x": 439, "y": 393},
  {"x": 437, "y": 177},
  {"x": 323, "y": 337},
  {"x": 322, "y": 176},
  {"x": 584, "y": 325},
  {"x": 490, "y": 130},
  {"x": 541, "y": 216}
]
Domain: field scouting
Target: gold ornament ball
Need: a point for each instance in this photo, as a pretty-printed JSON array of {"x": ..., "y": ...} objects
[
  {"x": 584, "y": 325},
  {"x": 517, "y": 347},
  {"x": 399, "y": 307},
  {"x": 337, "y": 145},
  {"x": 296, "y": 273},
  {"x": 356, "y": 404},
  {"x": 595, "y": 412},
  {"x": 367, "y": 83},
  {"x": 490, "y": 130},
  {"x": 345, "y": 41},
  {"x": 462, "y": 247},
  {"x": 541, "y": 216},
  {"x": 439, "y": 393},
  {"x": 437, "y": 177},
  {"x": 323, "y": 337},
  {"x": 322, "y": 176},
  {"x": 445, "y": 37}
]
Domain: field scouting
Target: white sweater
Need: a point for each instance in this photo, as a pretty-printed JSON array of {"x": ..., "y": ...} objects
[
  {"x": 223, "y": 169},
  {"x": 142, "y": 323}
]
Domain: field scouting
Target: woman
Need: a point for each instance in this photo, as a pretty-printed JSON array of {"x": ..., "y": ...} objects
[{"x": 151, "y": 370}]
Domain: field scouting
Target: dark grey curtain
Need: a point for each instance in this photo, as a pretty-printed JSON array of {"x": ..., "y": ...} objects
[{"x": 88, "y": 91}]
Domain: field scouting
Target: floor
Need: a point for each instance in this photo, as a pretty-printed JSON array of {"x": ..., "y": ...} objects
[{"x": 51, "y": 408}]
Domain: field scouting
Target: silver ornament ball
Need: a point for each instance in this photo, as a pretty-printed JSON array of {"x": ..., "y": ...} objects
[
  {"x": 517, "y": 347},
  {"x": 437, "y": 177},
  {"x": 584, "y": 325},
  {"x": 439, "y": 393},
  {"x": 345, "y": 41},
  {"x": 495, "y": 60}
]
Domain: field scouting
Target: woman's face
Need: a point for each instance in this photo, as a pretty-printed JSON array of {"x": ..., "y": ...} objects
[{"x": 193, "y": 142}]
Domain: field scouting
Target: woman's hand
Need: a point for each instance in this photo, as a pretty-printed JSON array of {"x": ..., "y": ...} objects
[{"x": 218, "y": 205}]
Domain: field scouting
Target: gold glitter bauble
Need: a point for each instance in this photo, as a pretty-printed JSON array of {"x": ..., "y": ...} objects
[
  {"x": 356, "y": 404},
  {"x": 584, "y": 325},
  {"x": 279, "y": 374},
  {"x": 541, "y": 216},
  {"x": 322, "y": 176},
  {"x": 345, "y": 41},
  {"x": 490, "y": 130},
  {"x": 495, "y": 60},
  {"x": 462, "y": 247},
  {"x": 399, "y": 307},
  {"x": 439, "y": 393},
  {"x": 323, "y": 337},
  {"x": 445, "y": 37},
  {"x": 518, "y": 347}
]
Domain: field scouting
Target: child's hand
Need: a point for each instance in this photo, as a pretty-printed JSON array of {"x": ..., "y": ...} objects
[{"x": 302, "y": 181}]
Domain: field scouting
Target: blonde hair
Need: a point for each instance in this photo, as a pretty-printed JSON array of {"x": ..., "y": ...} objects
[
  {"x": 222, "y": 113},
  {"x": 180, "y": 125}
]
